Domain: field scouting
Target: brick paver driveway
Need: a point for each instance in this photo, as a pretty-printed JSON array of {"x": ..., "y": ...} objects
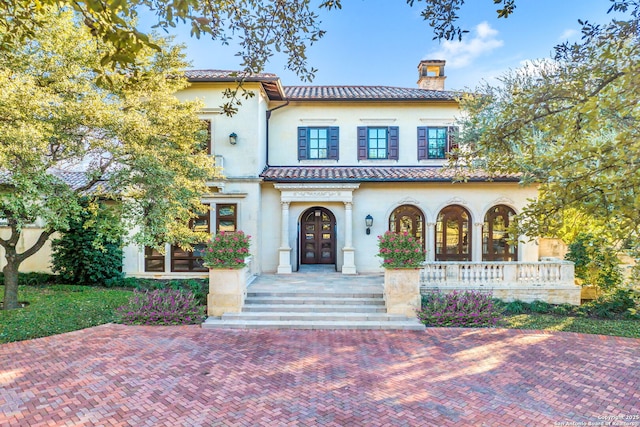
[{"x": 186, "y": 376}]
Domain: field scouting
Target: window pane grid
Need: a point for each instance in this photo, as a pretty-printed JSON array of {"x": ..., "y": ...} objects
[
  {"x": 377, "y": 143},
  {"x": 437, "y": 143},
  {"x": 318, "y": 143}
]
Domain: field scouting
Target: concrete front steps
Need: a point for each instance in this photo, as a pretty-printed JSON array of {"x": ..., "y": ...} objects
[{"x": 325, "y": 309}]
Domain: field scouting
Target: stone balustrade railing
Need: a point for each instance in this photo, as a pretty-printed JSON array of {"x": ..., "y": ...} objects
[
  {"x": 498, "y": 273},
  {"x": 551, "y": 281}
]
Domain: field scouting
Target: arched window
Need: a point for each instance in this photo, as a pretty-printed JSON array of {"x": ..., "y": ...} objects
[
  {"x": 408, "y": 218},
  {"x": 495, "y": 245},
  {"x": 453, "y": 234}
]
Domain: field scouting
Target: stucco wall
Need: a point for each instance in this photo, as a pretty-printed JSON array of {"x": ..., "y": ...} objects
[
  {"x": 348, "y": 116},
  {"x": 247, "y": 157},
  {"x": 40, "y": 261}
]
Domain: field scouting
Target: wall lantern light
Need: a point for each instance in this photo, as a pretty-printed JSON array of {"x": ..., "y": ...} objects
[
  {"x": 233, "y": 138},
  {"x": 368, "y": 222}
]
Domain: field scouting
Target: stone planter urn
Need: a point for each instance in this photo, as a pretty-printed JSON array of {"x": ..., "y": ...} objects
[
  {"x": 402, "y": 290},
  {"x": 227, "y": 290}
]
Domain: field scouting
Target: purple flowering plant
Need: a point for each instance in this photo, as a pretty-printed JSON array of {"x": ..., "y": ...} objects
[
  {"x": 400, "y": 250},
  {"x": 161, "y": 307},
  {"x": 227, "y": 250},
  {"x": 459, "y": 309}
]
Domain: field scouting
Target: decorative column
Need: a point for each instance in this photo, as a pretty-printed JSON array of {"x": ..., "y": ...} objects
[
  {"x": 284, "y": 251},
  {"x": 348, "y": 252},
  {"x": 430, "y": 243},
  {"x": 476, "y": 242}
]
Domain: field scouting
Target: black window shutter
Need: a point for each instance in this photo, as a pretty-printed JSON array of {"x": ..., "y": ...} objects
[
  {"x": 452, "y": 142},
  {"x": 422, "y": 143},
  {"x": 393, "y": 142},
  {"x": 302, "y": 143},
  {"x": 362, "y": 142},
  {"x": 334, "y": 132}
]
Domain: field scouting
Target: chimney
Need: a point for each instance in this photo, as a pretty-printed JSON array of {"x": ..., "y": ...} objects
[{"x": 431, "y": 74}]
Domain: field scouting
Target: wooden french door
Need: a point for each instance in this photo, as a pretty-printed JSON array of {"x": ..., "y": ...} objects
[
  {"x": 453, "y": 234},
  {"x": 318, "y": 237}
]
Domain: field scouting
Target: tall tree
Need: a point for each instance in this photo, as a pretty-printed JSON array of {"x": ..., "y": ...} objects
[
  {"x": 262, "y": 26},
  {"x": 64, "y": 135},
  {"x": 571, "y": 124}
]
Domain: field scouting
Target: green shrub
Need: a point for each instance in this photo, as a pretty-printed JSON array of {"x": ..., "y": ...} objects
[
  {"x": 161, "y": 307},
  {"x": 516, "y": 307},
  {"x": 459, "y": 308},
  {"x": 620, "y": 303},
  {"x": 596, "y": 262},
  {"x": 33, "y": 279},
  {"x": 88, "y": 254},
  {"x": 563, "y": 309},
  {"x": 540, "y": 307}
]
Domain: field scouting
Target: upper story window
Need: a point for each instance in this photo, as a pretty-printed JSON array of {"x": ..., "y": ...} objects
[
  {"x": 204, "y": 137},
  {"x": 378, "y": 142},
  {"x": 436, "y": 142},
  {"x": 318, "y": 143}
]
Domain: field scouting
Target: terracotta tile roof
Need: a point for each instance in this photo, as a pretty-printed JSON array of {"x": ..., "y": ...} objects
[
  {"x": 75, "y": 180},
  {"x": 365, "y": 93},
  {"x": 375, "y": 174},
  {"x": 270, "y": 82},
  {"x": 227, "y": 75}
]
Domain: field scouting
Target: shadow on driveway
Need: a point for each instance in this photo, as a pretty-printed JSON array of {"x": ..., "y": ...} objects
[{"x": 117, "y": 375}]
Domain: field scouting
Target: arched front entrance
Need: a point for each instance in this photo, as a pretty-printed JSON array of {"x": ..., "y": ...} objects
[{"x": 317, "y": 237}]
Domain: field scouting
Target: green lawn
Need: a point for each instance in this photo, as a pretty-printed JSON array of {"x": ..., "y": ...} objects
[
  {"x": 55, "y": 309},
  {"x": 585, "y": 325}
]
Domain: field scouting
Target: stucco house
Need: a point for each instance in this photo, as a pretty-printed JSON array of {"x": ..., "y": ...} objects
[{"x": 316, "y": 173}]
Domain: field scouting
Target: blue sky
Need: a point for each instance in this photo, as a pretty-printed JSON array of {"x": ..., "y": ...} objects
[{"x": 381, "y": 42}]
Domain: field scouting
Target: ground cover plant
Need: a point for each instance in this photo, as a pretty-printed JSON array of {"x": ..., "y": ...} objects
[
  {"x": 199, "y": 287},
  {"x": 161, "y": 307},
  {"x": 55, "y": 309},
  {"x": 629, "y": 328},
  {"x": 460, "y": 309}
]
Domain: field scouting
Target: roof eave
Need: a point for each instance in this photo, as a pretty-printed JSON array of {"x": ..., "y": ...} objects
[
  {"x": 369, "y": 99},
  {"x": 449, "y": 180}
]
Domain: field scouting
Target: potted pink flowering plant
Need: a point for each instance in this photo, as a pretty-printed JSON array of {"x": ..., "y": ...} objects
[
  {"x": 400, "y": 250},
  {"x": 227, "y": 250},
  {"x": 226, "y": 256},
  {"x": 402, "y": 255}
]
